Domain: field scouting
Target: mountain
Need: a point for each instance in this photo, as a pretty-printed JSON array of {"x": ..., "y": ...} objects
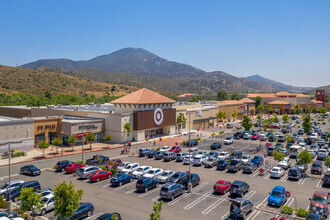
[
  {"x": 278, "y": 85},
  {"x": 138, "y": 67},
  {"x": 37, "y": 82},
  {"x": 325, "y": 88}
]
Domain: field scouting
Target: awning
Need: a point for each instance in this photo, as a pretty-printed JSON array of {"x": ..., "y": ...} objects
[
  {"x": 206, "y": 119},
  {"x": 81, "y": 134}
]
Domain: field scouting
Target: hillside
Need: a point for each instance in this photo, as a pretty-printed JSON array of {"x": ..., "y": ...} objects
[
  {"x": 326, "y": 88},
  {"x": 138, "y": 67},
  {"x": 37, "y": 82},
  {"x": 278, "y": 85}
]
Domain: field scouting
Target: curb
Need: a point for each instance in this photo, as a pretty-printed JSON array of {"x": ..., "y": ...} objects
[{"x": 278, "y": 213}]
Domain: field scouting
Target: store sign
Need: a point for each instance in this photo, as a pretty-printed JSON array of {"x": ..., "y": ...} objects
[
  {"x": 158, "y": 116},
  {"x": 87, "y": 127},
  {"x": 46, "y": 127}
]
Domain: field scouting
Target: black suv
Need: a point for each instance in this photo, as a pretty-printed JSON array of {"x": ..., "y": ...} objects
[
  {"x": 239, "y": 188},
  {"x": 238, "y": 135},
  {"x": 194, "y": 180},
  {"x": 178, "y": 177},
  {"x": 30, "y": 170},
  {"x": 309, "y": 141},
  {"x": 326, "y": 178},
  {"x": 17, "y": 191},
  {"x": 271, "y": 138},
  {"x": 235, "y": 165},
  {"x": 61, "y": 165}
]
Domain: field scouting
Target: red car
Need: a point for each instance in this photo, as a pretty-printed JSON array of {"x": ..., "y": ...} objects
[
  {"x": 113, "y": 163},
  {"x": 73, "y": 167},
  {"x": 98, "y": 175},
  {"x": 175, "y": 149},
  {"x": 222, "y": 186},
  {"x": 255, "y": 136}
]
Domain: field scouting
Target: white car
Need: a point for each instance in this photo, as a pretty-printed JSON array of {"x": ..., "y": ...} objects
[
  {"x": 302, "y": 145},
  {"x": 276, "y": 172},
  {"x": 122, "y": 165},
  {"x": 153, "y": 173},
  {"x": 140, "y": 171},
  {"x": 165, "y": 149},
  {"x": 199, "y": 160},
  {"x": 165, "y": 176},
  {"x": 301, "y": 140},
  {"x": 203, "y": 152},
  {"x": 321, "y": 154},
  {"x": 5, "y": 188},
  {"x": 247, "y": 136},
  {"x": 223, "y": 155},
  {"x": 285, "y": 163},
  {"x": 314, "y": 135},
  {"x": 263, "y": 137},
  {"x": 130, "y": 168},
  {"x": 229, "y": 140},
  {"x": 246, "y": 158},
  {"x": 49, "y": 205},
  {"x": 188, "y": 159},
  {"x": 321, "y": 142},
  {"x": 292, "y": 124}
]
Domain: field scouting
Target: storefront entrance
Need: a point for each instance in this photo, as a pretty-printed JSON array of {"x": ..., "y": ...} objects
[{"x": 152, "y": 133}]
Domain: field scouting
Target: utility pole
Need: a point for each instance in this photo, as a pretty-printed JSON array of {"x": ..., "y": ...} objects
[{"x": 189, "y": 183}]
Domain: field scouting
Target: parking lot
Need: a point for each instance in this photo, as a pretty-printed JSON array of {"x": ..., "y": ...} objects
[{"x": 201, "y": 203}]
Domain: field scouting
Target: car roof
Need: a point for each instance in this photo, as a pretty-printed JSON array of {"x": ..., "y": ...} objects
[
  {"x": 155, "y": 168},
  {"x": 168, "y": 185},
  {"x": 321, "y": 193},
  {"x": 144, "y": 166},
  {"x": 317, "y": 162},
  {"x": 238, "y": 182},
  {"x": 278, "y": 188},
  {"x": 222, "y": 181}
]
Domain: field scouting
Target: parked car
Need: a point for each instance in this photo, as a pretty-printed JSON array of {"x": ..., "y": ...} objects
[
  {"x": 169, "y": 156},
  {"x": 140, "y": 171},
  {"x": 229, "y": 126},
  {"x": 312, "y": 216},
  {"x": 4, "y": 215},
  {"x": 178, "y": 177},
  {"x": 84, "y": 172},
  {"x": 85, "y": 209},
  {"x": 312, "y": 153},
  {"x": 213, "y": 154},
  {"x": 255, "y": 136},
  {"x": 98, "y": 160},
  {"x": 319, "y": 203},
  {"x": 171, "y": 190},
  {"x": 202, "y": 152},
  {"x": 285, "y": 163},
  {"x": 322, "y": 154},
  {"x": 281, "y": 138},
  {"x": 246, "y": 158},
  {"x": 151, "y": 153},
  {"x": 143, "y": 152},
  {"x": 165, "y": 176},
  {"x": 17, "y": 190},
  {"x": 153, "y": 173},
  {"x": 247, "y": 136},
  {"x": 222, "y": 164},
  {"x": 270, "y": 150},
  {"x": 258, "y": 160},
  {"x": 176, "y": 149},
  {"x": 122, "y": 165},
  {"x": 215, "y": 146},
  {"x": 199, "y": 160},
  {"x": 229, "y": 140},
  {"x": 188, "y": 159},
  {"x": 321, "y": 142},
  {"x": 48, "y": 205},
  {"x": 249, "y": 167},
  {"x": 294, "y": 173},
  {"x": 45, "y": 191},
  {"x": 221, "y": 186},
  {"x": 235, "y": 165},
  {"x": 284, "y": 151},
  {"x": 271, "y": 138},
  {"x": 120, "y": 179},
  {"x": 211, "y": 162},
  {"x": 314, "y": 147},
  {"x": 276, "y": 172},
  {"x": 192, "y": 142},
  {"x": 237, "y": 154},
  {"x": 159, "y": 155},
  {"x": 301, "y": 131},
  {"x": 326, "y": 178},
  {"x": 193, "y": 151},
  {"x": 180, "y": 156},
  {"x": 98, "y": 175},
  {"x": 165, "y": 149},
  {"x": 239, "y": 188},
  {"x": 144, "y": 184},
  {"x": 277, "y": 197},
  {"x": 245, "y": 206},
  {"x": 113, "y": 164},
  {"x": 302, "y": 145},
  {"x": 194, "y": 180},
  {"x": 9, "y": 185},
  {"x": 317, "y": 167},
  {"x": 224, "y": 155},
  {"x": 263, "y": 137},
  {"x": 30, "y": 170},
  {"x": 108, "y": 216},
  {"x": 238, "y": 135},
  {"x": 73, "y": 167},
  {"x": 301, "y": 166},
  {"x": 60, "y": 166}
]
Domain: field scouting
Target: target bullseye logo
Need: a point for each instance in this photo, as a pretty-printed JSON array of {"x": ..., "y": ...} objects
[{"x": 158, "y": 116}]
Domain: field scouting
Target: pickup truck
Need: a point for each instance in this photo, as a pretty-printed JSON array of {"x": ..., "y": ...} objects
[{"x": 97, "y": 159}]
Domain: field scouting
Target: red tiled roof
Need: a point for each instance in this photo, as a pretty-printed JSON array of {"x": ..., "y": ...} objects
[
  {"x": 318, "y": 102},
  {"x": 143, "y": 96},
  {"x": 283, "y": 93},
  {"x": 247, "y": 100},
  {"x": 254, "y": 95},
  {"x": 301, "y": 95},
  {"x": 184, "y": 95},
  {"x": 229, "y": 102}
]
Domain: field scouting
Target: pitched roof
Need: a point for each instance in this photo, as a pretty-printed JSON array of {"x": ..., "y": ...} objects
[
  {"x": 314, "y": 101},
  {"x": 265, "y": 95},
  {"x": 301, "y": 95},
  {"x": 143, "y": 96},
  {"x": 278, "y": 102},
  {"x": 186, "y": 94},
  {"x": 247, "y": 100},
  {"x": 229, "y": 102},
  {"x": 284, "y": 93}
]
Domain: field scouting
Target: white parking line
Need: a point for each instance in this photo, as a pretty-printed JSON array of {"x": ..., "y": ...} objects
[
  {"x": 156, "y": 199},
  {"x": 130, "y": 191},
  {"x": 95, "y": 216},
  {"x": 255, "y": 173},
  {"x": 214, "y": 205},
  {"x": 284, "y": 178},
  {"x": 307, "y": 209},
  {"x": 252, "y": 215},
  {"x": 97, "y": 183},
  {"x": 289, "y": 202},
  {"x": 264, "y": 200},
  {"x": 214, "y": 168},
  {"x": 225, "y": 215},
  {"x": 249, "y": 195},
  {"x": 302, "y": 181},
  {"x": 195, "y": 202},
  {"x": 106, "y": 185},
  {"x": 148, "y": 193},
  {"x": 184, "y": 196},
  {"x": 319, "y": 184},
  {"x": 267, "y": 176},
  {"x": 124, "y": 186}
]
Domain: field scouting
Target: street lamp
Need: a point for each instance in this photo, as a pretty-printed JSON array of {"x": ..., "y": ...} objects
[
  {"x": 189, "y": 183},
  {"x": 62, "y": 141},
  {"x": 82, "y": 144},
  {"x": 10, "y": 208}
]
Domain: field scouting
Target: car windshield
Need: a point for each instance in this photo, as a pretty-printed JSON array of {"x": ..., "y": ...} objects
[
  {"x": 139, "y": 169},
  {"x": 275, "y": 170},
  {"x": 222, "y": 154},
  {"x": 222, "y": 161},
  {"x": 43, "y": 200},
  {"x": 128, "y": 166},
  {"x": 94, "y": 173},
  {"x": 176, "y": 175},
  {"x": 211, "y": 153},
  {"x": 245, "y": 157},
  {"x": 317, "y": 165},
  {"x": 219, "y": 184},
  {"x": 276, "y": 193},
  {"x": 151, "y": 172},
  {"x": 228, "y": 138},
  {"x": 121, "y": 165},
  {"x": 164, "y": 174},
  {"x": 210, "y": 160},
  {"x": 4, "y": 186},
  {"x": 248, "y": 165},
  {"x": 233, "y": 162},
  {"x": 256, "y": 158},
  {"x": 319, "y": 199}
]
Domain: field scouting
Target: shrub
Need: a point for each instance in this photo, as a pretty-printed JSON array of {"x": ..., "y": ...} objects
[
  {"x": 111, "y": 162},
  {"x": 323, "y": 123},
  {"x": 152, "y": 149},
  {"x": 79, "y": 161},
  {"x": 221, "y": 132},
  {"x": 299, "y": 126},
  {"x": 286, "y": 210},
  {"x": 18, "y": 154},
  {"x": 302, "y": 212},
  {"x": 19, "y": 211},
  {"x": 103, "y": 168},
  {"x": 54, "y": 167},
  {"x": 25, "y": 216},
  {"x": 113, "y": 171},
  {"x": 197, "y": 139},
  {"x": 3, "y": 204},
  {"x": 158, "y": 148}
]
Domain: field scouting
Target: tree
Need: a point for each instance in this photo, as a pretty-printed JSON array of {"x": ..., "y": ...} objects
[
  {"x": 308, "y": 110},
  {"x": 278, "y": 156},
  {"x": 246, "y": 123},
  {"x": 305, "y": 157},
  {"x": 234, "y": 115},
  {"x": 285, "y": 118},
  {"x": 157, "y": 208},
  {"x": 48, "y": 95},
  {"x": 72, "y": 141},
  {"x": 268, "y": 108},
  {"x": 127, "y": 128},
  {"x": 307, "y": 124},
  {"x": 259, "y": 118},
  {"x": 222, "y": 95},
  {"x": 30, "y": 199},
  {"x": 221, "y": 115},
  {"x": 181, "y": 120},
  {"x": 90, "y": 137},
  {"x": 57, "y": 142},
  {"x": 235, "y": 96},
  {"x": 260, "y": 108},
  {"x": 66, "y": 199},
  {"x": 258, "y": 101},
  {"x": 288, "y": 138},
  {"x": 327, "y": 161},
  {"x": 275, "y": 119},
  {"x": 108, "y": 138},
  {"x": 322, "y": 111},
  {"x": 114, "y": 217},
  {"x": 296, "y": 109},
  {"x": 43, "y": 145}
]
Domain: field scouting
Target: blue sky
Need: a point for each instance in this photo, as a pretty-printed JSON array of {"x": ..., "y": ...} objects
[{"x": 284, "y": 40}]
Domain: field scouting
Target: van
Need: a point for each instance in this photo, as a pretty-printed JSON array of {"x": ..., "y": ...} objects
[
  {"x": 143, "y": 152},
  {"x": 270, "y": 150},
  {"x": 17, "y": 191},
  {"x": 193, "y": 150},
  {"x": 295, "y": 150}
]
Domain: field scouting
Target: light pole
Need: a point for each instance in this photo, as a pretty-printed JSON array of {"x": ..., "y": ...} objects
[
  {"x": 62, "y": 142},
  {"x": 189, "y": 183},
  {"x": 82, "y": 144},
  {"x": 10, "y": 208}
]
